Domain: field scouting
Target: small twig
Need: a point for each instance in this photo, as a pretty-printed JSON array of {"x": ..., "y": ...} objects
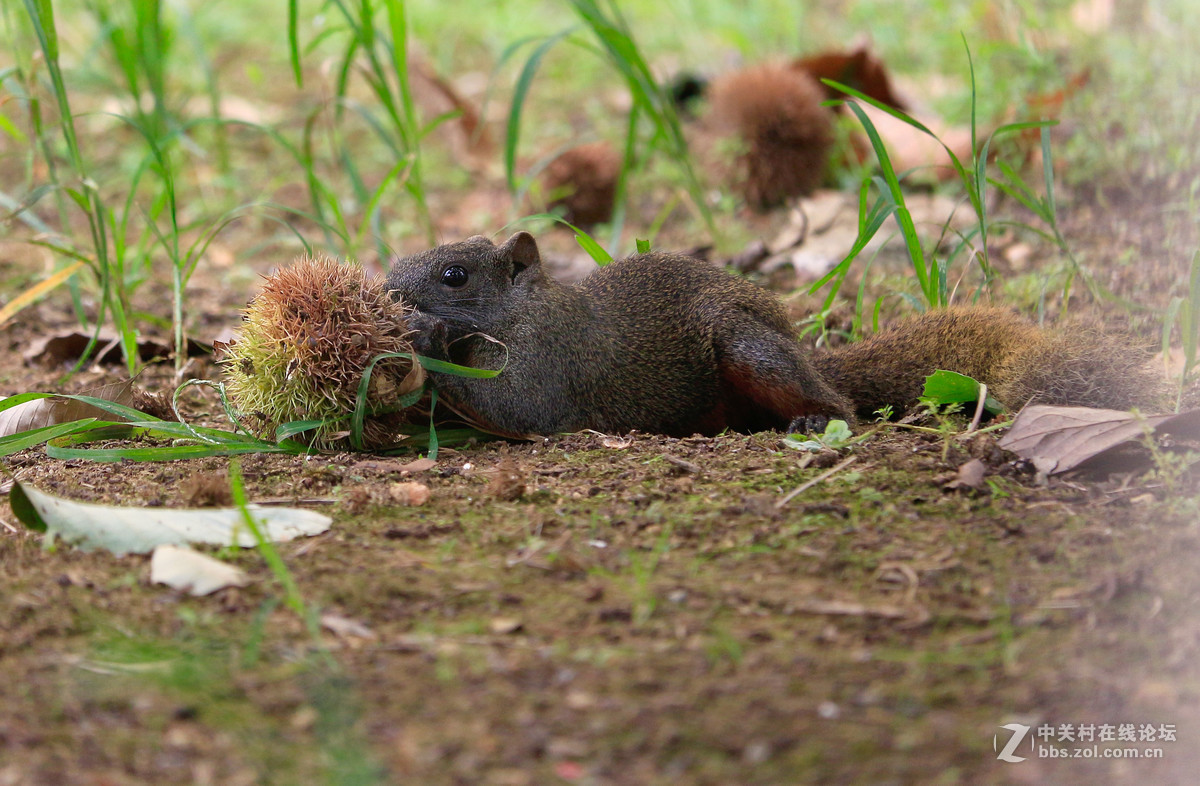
[
  {"x": 803, "y": 487},
  {"x": 983, "y": 393},
  {"x": 683, "y": 464}
]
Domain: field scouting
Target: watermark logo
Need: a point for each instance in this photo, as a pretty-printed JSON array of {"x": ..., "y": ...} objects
[
  {"x": 1019, "y": 730},
  {"x": 1084, "y": 741}
]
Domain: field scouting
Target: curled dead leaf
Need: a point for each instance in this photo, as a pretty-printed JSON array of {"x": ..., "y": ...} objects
[
  {"x": 970, "y": 476},
  {"x": 1058, "y": 439}
]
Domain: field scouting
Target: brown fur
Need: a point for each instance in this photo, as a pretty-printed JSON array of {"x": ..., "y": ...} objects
[
  {"x": 1017, "y": 360},
  {"x": 665, "y": 343},
  {"x": 776, "y": 112}
]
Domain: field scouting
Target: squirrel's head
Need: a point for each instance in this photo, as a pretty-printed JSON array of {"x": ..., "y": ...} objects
[{"x": 473, "y": 282}]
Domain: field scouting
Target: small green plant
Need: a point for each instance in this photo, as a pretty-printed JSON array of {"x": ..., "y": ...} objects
[
  {"x": 81, "y": 189},
  {"x": 931, "y": 270},
  {"x": 124, "y": 233},
  {"x": 270, "y": 555},
  {"x": 837, "y": 435},
  {"x": 379, "y": 33},
  {"x": 650, "y": 102},
  {"x": 643, "y": 566}
]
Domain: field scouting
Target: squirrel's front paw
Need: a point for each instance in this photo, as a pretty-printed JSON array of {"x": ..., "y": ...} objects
[{"x": 430, "y": 334}]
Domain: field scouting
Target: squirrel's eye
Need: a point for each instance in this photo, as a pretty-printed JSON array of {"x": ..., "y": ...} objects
[{"x": 454, "y": 276}]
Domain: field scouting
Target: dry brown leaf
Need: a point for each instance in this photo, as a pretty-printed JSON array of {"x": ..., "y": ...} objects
[
  {"x": 1057, "y": 439},
  {"x": 402, "y": 467},
  {"x": 67, "y": 347},
  {"x": 52, "y": 411},
  {"x": 346, "y": 628},
  {"x": 970, "y": 476}
]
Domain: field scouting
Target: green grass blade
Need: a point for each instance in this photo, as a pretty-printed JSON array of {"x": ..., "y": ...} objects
[
  {"x": 520, "y": 92},
  {"x": 163, "y": 453},
  {"x": 432, "y": 452},
  {"x": 904, "y": 219},
  {"x": 28, "y": 439},
  {"x": 293, "y": 34},
  {"x": 593, "y": 249},
  {"x": 1048, "y": 175}
]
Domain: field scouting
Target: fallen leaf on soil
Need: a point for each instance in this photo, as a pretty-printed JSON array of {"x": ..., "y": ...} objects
[
  {"x": 970, "y": 476},
  {"x": 67, "y": 347},
  {"x": 1057, "y": 439},
  {"x": 838, "y": 608},
  {"x": 410, "y": 467},
  {"x": 615, "y": 443},
  {"x": 408, "y": 493},
  {"x": 682, "y": 464},
  {"x": 345, "y": 628},
  {"x": 44, "y": 412},
  {"x": 192, "y": 572},
  {"x": 508, "y": 481},
  {"x": 138, "y": 530},
  {"x": 504, "y": 625}
]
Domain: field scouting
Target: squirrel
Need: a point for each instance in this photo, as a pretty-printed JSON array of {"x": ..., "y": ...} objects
[{"x": 665, "y": 343}]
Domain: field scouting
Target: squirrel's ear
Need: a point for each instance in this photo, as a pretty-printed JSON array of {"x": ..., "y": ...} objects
[
  {"x": 478, "y": 240},
  {"x": 521, "y": 249}
]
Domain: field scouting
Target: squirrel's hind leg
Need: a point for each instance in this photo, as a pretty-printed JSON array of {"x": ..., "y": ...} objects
[{"x": 768, "y": 382}]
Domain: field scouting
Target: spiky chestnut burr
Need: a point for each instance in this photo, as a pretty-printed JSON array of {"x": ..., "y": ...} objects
[{"x": 305, "y": 342}]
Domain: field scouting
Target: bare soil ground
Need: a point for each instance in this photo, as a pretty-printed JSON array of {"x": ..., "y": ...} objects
[{"x": 598, "y": 611}]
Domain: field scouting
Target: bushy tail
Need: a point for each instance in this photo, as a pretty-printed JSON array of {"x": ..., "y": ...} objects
[{"x": 1018, "y": 361}]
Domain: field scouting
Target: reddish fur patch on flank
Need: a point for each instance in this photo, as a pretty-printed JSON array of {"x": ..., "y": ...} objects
[{"x": 753, "y": 403}]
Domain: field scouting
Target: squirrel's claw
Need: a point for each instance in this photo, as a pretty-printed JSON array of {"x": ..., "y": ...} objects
[{"x": 808, "y": 424}]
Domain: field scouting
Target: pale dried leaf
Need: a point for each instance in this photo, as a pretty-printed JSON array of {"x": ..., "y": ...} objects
[
  {"x": 52, "y": 411},
  {"x": 838, "y": 608},
  {"x": 1058, "y": 439},
  {"x": 503, "y": 626},
  {"x": 190, "y": 571},
  {"x": 124, "y": 530},
  {"x": 970, "y": 476},
  {"x": 402, "y": 467},
  {"x": 345, "y": 628}
]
